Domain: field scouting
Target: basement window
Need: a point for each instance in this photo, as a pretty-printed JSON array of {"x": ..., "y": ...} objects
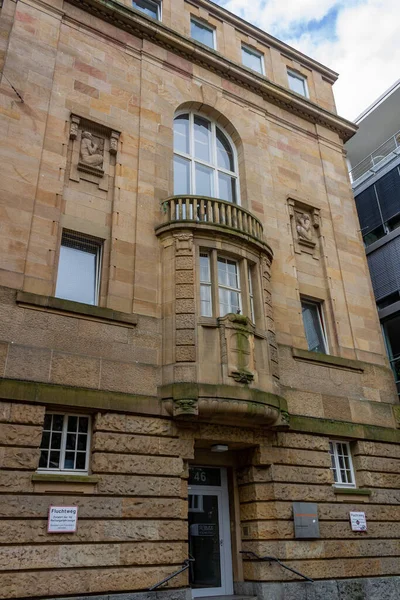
[
  {"x": 65, "y": 443},
  {"x": 341, "y": 464}
]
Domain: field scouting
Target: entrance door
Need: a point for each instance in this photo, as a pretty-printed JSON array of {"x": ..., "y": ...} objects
[{"x": 209, "y": 533}]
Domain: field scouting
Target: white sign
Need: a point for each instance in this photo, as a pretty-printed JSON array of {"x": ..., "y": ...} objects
[
  {"x": 358, "y": 521},
  {"x": 62, "y": 519}
]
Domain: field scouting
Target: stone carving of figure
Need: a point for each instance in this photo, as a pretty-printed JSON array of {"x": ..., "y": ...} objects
[
  {"x": 90, "y": 154},
  {"x": 303, "y": 226}
]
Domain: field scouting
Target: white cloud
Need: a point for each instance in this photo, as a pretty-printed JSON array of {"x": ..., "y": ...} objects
[{"x": 364, "y": 50}]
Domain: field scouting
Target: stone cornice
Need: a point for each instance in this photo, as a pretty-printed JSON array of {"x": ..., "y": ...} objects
[{"x": 141, "y": 26}]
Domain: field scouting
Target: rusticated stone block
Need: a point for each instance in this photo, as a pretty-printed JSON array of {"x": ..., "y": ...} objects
[
  {"x": 184, "y": 291},
  {"x": 184, "y": 263},
  {"x": 147, "y": 508},
  {"x": 151, "y": 554},
  {"x": 184, "y": 306},
  {"x": 131, "y": 485},
  {"x": 299, "y": 440},
  {"x": 184, "y": 277},
  {"x": 20, "y": 435},
  {"x": 185, "y": 354},
  {"x": 185, "y": 337},
  {"x": 29, "y": 414},
  {"x": 15, "y": 482},
  {"x": 185, "y": 321},
  {"x": 146, "y": 465},
  {"x": 69, "y": 369},
  {"x": 133, "y": 424},
  {"x": 19, "y": 458}
]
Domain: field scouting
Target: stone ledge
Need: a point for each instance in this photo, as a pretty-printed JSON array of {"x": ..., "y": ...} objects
[
  {"x": 352, "y": 491},
  {"x": 86, "y": 398},
  {"x": 336, "y": 362},
  {"x": 345, "y": 429},
  {"x": 61, "y": 478},
  {"x": 98, "y": 313}
]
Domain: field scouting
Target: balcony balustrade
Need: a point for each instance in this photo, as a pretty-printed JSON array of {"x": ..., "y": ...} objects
[{"x": 193, "y": 210}]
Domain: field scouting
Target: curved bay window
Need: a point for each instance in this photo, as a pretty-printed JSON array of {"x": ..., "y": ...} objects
[{"x": 205, "y": 162}]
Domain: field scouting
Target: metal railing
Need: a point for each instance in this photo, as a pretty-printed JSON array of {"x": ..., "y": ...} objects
[
  {"x": 369, "y": 162},
  {"x": 273, "y": 559},
  {"x": 184, "y": 567},
  {"x": 212, "y": 211}
]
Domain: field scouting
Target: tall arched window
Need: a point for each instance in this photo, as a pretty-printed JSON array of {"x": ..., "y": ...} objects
[{"x": 205, "y": 162}]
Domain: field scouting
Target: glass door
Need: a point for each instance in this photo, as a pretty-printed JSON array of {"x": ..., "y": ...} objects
[{"x": 209, "y": 536}]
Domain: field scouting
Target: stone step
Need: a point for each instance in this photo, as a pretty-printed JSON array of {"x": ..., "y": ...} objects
[{"x": 234, "y": 597}]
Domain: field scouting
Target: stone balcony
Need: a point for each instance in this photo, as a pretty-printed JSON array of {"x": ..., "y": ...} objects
[{"x": 201, "y": 212}]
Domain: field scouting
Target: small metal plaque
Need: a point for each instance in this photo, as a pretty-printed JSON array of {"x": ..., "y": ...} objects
[
  {"x": 204, "y": 476},
  {"x": 305, "y": 515}
]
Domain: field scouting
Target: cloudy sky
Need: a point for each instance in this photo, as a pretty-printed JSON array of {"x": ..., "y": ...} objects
[{"x": 359, "y": 39}]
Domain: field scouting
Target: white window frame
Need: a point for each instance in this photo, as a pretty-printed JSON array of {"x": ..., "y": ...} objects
[
  {"x": 157, "y": 4},
  {"x": 204, "y": 25},
  {"x": 222, "y": 286},
  {"x": 98, "y": 266},
  {"x": 211, "y": 165},
  {"x": 256, "y": 53},
  {"x": 321, "y": 320},
  {"x": 335, "y": 457},
  {"x": 206, "y": 284},
  {"x": 251, "y": 292},
  {"x": 63, "y": 446},
  {"x": 300, "y": 77}
]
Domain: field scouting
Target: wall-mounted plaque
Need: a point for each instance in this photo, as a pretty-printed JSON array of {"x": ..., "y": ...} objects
[{"x": 62, "y": 519}]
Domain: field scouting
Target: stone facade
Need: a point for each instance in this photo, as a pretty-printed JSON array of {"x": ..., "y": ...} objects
[{"x": 90, "y": 150}]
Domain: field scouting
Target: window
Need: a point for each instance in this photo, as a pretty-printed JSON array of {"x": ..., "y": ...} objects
[
  {"x": 151, "y": 8},
  {"x": 203, "y": 33},
  {"x": 314, "y": 326},
  {"x": 341, "y": 464},
  {"x": 79, "y": 265},
  {"x": 230, "y": 300},
  {"x": 205, "y": 161},
  {"x": 224, "y": 275},
  {"x": 65, "y": 443},
  {"x": 297, "y": 83},
  {"x": 253, "y": 59}
]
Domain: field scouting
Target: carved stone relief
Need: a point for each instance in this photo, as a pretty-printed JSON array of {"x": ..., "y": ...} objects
[
  {"x": 305, "y": 224},
  {"x": 237, "y": 348},
  {"x": 93, "y": 145}
]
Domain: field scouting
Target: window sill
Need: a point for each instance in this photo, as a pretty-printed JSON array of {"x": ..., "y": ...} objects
[
  {"x": 336, "y": 362},
  {"x": 97, "y": 313},
  {"x": 351, "y": 491},
  {"x": 64, "y": 478}
]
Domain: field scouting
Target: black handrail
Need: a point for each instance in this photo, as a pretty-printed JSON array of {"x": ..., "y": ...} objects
[
  {"x": 273, "y": 559},
  {"x": 185, "y": 566}
]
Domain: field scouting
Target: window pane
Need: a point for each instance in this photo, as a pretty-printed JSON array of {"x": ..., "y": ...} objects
[
  {"x": 224, "y": 152},
  {"x": 202, "y": 33},
  {"x": 205, "y": 268},
  {"x": 312, "y": 326},
  {"x": 205, "y": 301},
  {"x": 76, "y": 278},
  {"x": 82, "y": 441},
  {"x": 80, "y": 460},
  {"x": 229, "y": 302},
  {"x": 45, "y": 440},
  {"x": 71, "y": 441},
  {"x": 297, "y": 84},
  {"x": 181, "y": 134},
  {"x": 55, "y": 441},
  {"x": 252, "y": 60},
  {"x": 227, "y": 187},
  {"x": 204, "y": 180},
  {"x": 83, "y": 424},
  {"x": 57, "y": 422},
  {"x": 181, "y": 176},
  {"x": 72, "y": 424},
  {"x": 47, "y": 422},
  {"x": 147, "y": 7},
  {"x": 202, "y": 139},
  {"x": 43, "y": 459},
  {"x": 69, "y": 460},
  {"x": 54, "y": 460}
]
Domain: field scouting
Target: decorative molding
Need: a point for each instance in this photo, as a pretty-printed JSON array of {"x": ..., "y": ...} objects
[{"x": 143, "y": 27}]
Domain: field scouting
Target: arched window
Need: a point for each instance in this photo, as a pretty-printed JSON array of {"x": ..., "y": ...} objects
[{"x": 205, "y": 162}]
